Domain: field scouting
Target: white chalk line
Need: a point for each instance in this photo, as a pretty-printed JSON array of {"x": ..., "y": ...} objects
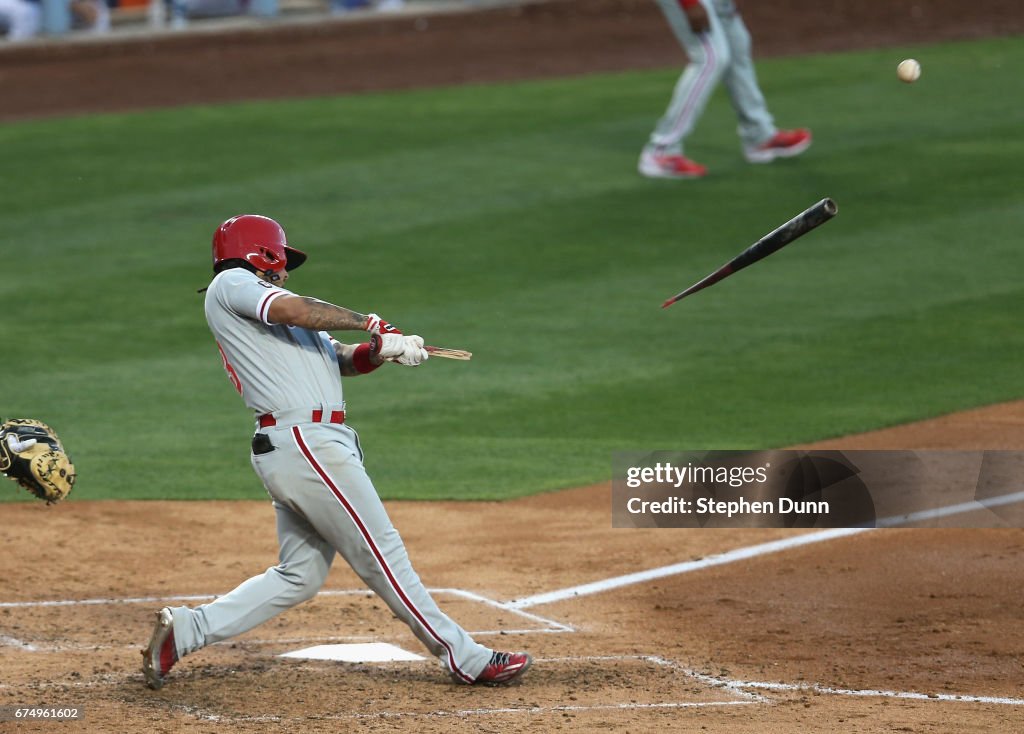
[
  {"x": 720, "y": 559},
  {"x": 96, "y": 602},
  {"x": 949, "y": 510},
  {"x": 552, "y": 625},
  {"x": 738, "y": 685},
  {"x": 709, "y": 680},
  {"x": 740, "y": 554},
  {"x": 8, "y": 641},
  {"x": 873, "y": 693}
]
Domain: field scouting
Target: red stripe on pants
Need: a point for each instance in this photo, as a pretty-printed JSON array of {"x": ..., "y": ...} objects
[{"x": 368, "y": 538}]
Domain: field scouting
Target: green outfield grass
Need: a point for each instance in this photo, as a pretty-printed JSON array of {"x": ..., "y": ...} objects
[{"x": 509, "y": 220}]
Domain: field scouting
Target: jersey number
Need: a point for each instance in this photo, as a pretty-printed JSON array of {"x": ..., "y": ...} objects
[{"x": 232, "y": 375}]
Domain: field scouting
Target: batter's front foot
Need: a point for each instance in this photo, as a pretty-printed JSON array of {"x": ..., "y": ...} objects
[
  {"x": 161, "y": 654},
  {"x": 504, "y": 667}
]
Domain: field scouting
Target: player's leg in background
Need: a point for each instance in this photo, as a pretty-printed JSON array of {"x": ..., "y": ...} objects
[
  {"x": 21, "y": 19},
  {"x": 342, "y": 504},
  {"x": 305, "y": 559},
  {"x": 708, "y": 60},
  {"x": 708, "y": 52},
  {"x": 755, "y": 121}
]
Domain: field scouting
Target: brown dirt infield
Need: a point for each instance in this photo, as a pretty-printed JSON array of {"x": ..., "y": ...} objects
[
  {"x": 932, "y": 612},
  {"x": 927, "y": 612}
]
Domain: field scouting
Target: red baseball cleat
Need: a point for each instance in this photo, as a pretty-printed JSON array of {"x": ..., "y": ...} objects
[
  {"x": 669, "y": 165},
  {"x": 783, "y": 144},
  {"x": 161, "y": 654},
  {"x": 504, "y": 667}
]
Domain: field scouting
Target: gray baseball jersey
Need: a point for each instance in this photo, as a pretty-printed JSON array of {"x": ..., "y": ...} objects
[
  {"x": 273, "y": 367},
  {"x": 310, "y": 462}
]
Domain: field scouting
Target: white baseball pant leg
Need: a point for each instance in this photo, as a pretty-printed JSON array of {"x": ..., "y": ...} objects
[
  {"x": 709, "y": 58},
  {"x": 305, "y": 558}
]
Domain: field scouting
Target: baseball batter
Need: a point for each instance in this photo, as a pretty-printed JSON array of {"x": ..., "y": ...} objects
[
  {"x": 717, "y": 42},
  {"x": 279, "y": 357}
]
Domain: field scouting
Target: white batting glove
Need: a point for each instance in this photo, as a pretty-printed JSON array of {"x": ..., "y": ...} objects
[
  {"x": 414, "y": 354},
  {"x": 387, "y": 346},
  {"x": 18, "y": 446}
]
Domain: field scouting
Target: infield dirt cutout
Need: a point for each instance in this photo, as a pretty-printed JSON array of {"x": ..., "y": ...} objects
[{"x": 885, "y": 630}]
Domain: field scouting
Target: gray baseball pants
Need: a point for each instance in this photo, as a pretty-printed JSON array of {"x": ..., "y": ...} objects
[
  {"x": 721, "y": 54},
  {"x": 325, "y": 502}
]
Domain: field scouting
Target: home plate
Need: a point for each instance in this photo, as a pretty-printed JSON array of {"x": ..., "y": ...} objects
[{"x": 368, "y": 652}]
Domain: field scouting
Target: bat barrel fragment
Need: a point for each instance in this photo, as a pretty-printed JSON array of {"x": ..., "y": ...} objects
[{"x": 801, "y": 224}]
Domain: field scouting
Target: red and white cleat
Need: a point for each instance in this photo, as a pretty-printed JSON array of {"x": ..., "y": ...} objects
[
  {"x": 161, "y": 654},
  {"x": 784, "y": 144},
  {"x": 669, "y": 165},
  {"x": 504, "y": 667}
]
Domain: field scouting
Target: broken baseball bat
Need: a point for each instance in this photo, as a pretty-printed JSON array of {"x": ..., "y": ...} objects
[
  {"x": 461, "y": 354},
  {"x": 774, "y": 241}
]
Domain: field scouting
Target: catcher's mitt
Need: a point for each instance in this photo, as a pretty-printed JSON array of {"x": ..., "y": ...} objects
[{"x": 33, "y": 456}]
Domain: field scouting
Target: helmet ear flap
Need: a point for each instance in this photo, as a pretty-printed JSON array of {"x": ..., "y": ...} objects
[{"x": 270, "y": 260}]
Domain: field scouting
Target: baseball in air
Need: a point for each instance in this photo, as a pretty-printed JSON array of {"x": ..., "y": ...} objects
[{"x": 908, "y": 71}]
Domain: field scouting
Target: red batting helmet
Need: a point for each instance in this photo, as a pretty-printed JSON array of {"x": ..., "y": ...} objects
[{"x": 259, "y": 241}]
